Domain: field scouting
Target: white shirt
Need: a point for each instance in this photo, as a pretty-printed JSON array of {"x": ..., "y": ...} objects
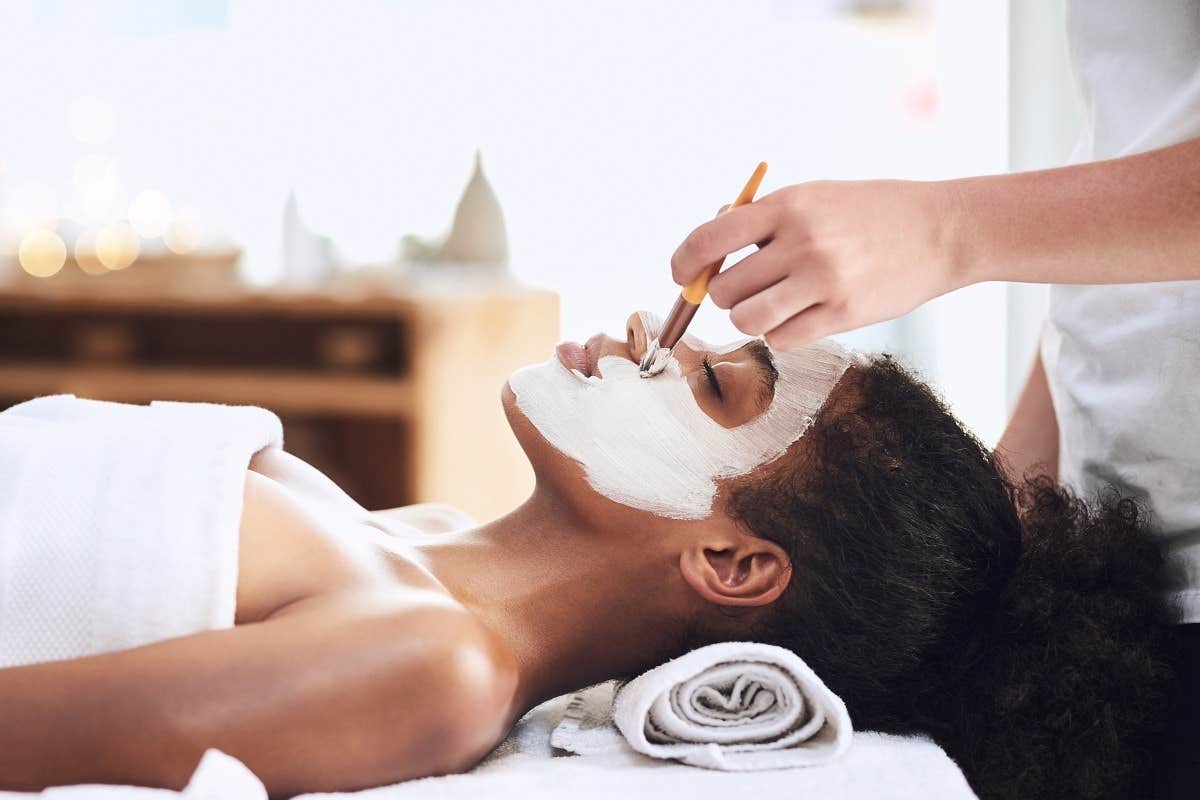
[{"x": 1123, "y": 361}]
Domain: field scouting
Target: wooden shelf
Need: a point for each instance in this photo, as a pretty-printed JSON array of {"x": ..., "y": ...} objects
[
  {"x": 286, "y": 392},
  {"x": 394, "y": 392},
  {"x": 352, "y": 301}
]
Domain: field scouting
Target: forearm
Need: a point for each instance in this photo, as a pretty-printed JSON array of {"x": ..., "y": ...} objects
[
  {"x": 1126, "y": 220},
  {"x": 339, "y": 700},
  {"x": 1029, "y": 445}
]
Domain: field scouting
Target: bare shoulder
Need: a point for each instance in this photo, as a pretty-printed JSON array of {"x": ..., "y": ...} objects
[
  {"x": 454, "y": 678},
  {"x": 466, "y": 656},
  {"x": 409, "y": 676},
  {"x": 475, "y": 673}
]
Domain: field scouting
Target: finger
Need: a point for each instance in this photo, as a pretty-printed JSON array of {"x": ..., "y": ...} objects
[
  {"x": 773, "y": 306},
  {"x": 747, "y": 277},
  {"x": 717, "y": 238},
  {"x": 760, "y": 243},
  {"x": 815, "y": 322}
]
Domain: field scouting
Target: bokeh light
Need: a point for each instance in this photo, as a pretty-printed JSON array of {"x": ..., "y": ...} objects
[
  {"x": 117, "y": 245},
  {"x": 42, "y": 253},
  {"x": 91, "y": 120},
  {"x": 150, "y": 213},
  {"x": 85, "y": 254}
]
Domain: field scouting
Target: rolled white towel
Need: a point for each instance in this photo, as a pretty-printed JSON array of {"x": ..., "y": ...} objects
[{"x": 734, "y": 706}]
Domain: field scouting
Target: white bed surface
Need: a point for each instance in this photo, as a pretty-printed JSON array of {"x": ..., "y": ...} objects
[{"x": 524, "y": 767}]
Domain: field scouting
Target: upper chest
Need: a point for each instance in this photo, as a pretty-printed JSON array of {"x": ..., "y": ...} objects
[{"x": 294, "y": 547}]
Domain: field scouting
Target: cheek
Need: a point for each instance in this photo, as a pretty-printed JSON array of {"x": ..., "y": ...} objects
[
  {"x": 552, "y": 468},
  {"x": 727, "y": 414},
  {"x": 643, "y": 443}
]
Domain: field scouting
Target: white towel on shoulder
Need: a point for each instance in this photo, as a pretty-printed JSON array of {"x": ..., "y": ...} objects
[
  {"x": 729, "y": 706},
  {"x": 119, "y": 523}
]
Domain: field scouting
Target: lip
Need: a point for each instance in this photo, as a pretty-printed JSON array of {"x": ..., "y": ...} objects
[{"x": 574, "y": 356}]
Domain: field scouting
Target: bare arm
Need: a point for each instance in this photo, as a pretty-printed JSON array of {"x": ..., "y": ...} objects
[
  {"x": 837, "y": 255},
  {"x": 348, "y": 695},
  {"x": 1029, "y": 445},
  {"x": 1127, "y": 220}
]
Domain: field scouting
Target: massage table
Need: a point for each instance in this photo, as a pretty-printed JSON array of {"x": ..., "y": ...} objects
[{"x": 524, "y": 766}]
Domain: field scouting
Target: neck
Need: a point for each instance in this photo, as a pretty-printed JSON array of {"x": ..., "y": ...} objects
[{"x": 576, "y": 606}]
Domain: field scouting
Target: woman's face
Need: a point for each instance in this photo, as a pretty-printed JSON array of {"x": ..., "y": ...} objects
[
  {"x": 731, "y": 384},
  {"x": 661, "y": 444}
]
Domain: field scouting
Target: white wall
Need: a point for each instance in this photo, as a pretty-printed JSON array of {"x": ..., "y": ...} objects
[
  {"x": 609, "y": 129},
  {"x": 1045, "y": 116}
]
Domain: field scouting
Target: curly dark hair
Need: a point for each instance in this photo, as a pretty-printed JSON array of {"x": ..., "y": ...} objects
[{"x": 1032, "y": 647}]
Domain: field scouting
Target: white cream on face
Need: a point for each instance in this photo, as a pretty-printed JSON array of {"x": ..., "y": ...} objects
[{"x": 645, "y": 443}]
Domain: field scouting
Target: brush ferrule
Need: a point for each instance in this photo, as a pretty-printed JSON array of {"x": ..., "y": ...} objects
[
  {"x": 676, "y": 323},
  {"x": 655, "y": 361}
]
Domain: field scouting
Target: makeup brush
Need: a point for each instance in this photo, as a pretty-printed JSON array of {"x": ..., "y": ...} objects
[{"x": 658, "y": 352}]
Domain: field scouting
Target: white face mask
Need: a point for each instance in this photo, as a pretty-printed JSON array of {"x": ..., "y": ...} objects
[{"x": 645, "y": 443}]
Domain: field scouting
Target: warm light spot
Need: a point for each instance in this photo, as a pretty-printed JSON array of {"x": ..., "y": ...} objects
[
  {"x": 183, "y": 234},
  {"x": 91, "y": 120},
  {"x": 117, "y": 245},
  {"x": 42, "y": 253},
  {"x": 149, "y": 213},
  {"x": 85, "y": 254}
]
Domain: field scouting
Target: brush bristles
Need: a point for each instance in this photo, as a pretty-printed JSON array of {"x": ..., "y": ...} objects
[{"x": 655, "y": 360}]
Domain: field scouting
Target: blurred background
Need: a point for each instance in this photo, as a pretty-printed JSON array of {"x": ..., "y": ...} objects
[{"x": 364, "y": 215}]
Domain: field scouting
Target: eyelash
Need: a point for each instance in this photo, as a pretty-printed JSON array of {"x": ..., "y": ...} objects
[{"x": 712, "y": 378}]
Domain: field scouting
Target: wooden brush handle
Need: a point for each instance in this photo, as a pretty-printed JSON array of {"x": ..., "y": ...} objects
[{"x": 695, "y": 291}]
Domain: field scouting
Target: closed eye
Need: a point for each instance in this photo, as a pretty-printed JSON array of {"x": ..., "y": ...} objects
[{"x": 712, "y": 378}]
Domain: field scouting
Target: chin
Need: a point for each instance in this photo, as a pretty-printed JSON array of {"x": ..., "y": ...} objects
[
  {"x": 508, "y": 399},
  {"x": 518, "y": 423},
  {"x": 550, "y": 467}
]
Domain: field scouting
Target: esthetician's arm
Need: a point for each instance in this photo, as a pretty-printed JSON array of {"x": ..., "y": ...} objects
[
  {"x": 838, "y": 255},
  {"x": 343, "y": 696},
  {"x": 1029, "y": 446}
]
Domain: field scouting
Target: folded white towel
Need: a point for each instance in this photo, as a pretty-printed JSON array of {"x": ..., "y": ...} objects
[
  {"x": 119, "y": 523},
  {"x": 730, "y": 706}
]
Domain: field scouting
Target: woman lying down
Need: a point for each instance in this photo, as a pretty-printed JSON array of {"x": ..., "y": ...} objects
[{"x": 817, "y": 500}]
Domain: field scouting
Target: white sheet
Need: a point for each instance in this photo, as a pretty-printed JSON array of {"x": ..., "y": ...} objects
[
  {"x": 119, "y": 523},
  {"x": 525, "y": 767}
]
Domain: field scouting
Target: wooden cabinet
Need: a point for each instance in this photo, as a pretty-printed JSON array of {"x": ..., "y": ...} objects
[{"x": 396, "y": 396}]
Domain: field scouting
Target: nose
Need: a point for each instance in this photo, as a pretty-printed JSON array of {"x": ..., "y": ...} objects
[
  {"x": 689, "y": 359},
  {"x": 632, "y": 348},
  {"x": 637, "y": 339},
  {"x": 636, "y": 336}
]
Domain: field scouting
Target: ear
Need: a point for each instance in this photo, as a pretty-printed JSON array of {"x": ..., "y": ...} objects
[{"x": 736, "y": 570}]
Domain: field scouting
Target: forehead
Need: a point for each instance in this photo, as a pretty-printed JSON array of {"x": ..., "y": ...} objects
[{"x": 741, "y": 343}]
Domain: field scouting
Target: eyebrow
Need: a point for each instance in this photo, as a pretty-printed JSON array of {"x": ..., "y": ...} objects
[{"x": 767, "y": 371}]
